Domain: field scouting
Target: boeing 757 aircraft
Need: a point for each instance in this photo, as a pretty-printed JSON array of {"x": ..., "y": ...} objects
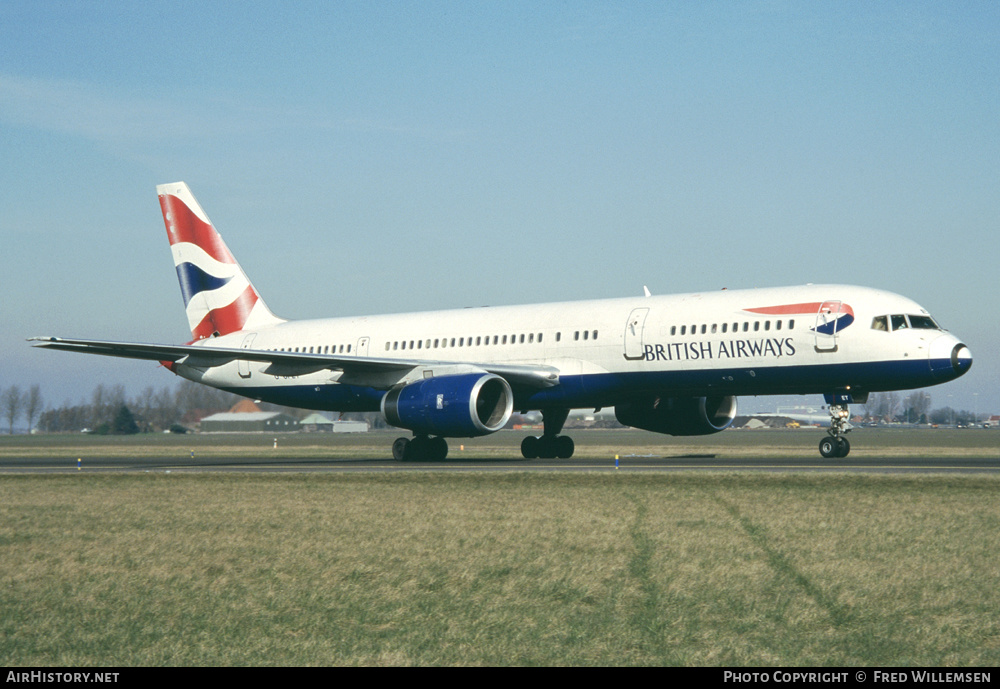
[{"x": 668, "y": 364}]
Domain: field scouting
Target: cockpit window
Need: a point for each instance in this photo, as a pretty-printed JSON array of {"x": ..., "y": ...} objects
[
  {"x": 902, "y": 322},
  {"x": 923, "y": 323}
]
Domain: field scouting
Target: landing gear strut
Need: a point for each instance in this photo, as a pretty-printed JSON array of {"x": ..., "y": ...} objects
[
  {"x": 551, "y": 445},
  {"x": 835, "y": 444},
  {"x": 420, "y": 448}
]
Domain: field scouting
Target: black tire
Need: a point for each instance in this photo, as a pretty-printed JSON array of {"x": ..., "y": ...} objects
[
  {"x": 843, "y": 447},
  {"x": 565, "y": 447},
  {"x": 828, "y": 447},
  {"x": 399, "y": 448},
  {"x": 417, "y": 450},
  {"x": 530, "y": 447},
  {"x": 437, "y": 449}
]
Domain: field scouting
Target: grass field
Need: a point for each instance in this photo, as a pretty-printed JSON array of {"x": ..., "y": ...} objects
[{"x": 494, "y": 569}]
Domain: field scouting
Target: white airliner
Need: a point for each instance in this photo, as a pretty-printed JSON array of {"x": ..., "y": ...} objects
[{"x": 668, "y": 364}]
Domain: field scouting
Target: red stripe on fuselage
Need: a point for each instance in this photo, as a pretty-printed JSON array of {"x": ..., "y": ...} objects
[
  {"x": 795, "y": 309},
  {"x": 184, "y": 226},
  {"x": 787, "y": 309}
]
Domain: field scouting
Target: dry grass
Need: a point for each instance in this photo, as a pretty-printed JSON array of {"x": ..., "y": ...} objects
[{"x": 444, "y": 568}]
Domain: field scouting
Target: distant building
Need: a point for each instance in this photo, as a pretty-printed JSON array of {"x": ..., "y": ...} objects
[
  {"x": 350, "y": 426},
  {"x": 316, "y": 422},
  {"x": 249, "y": 422}
]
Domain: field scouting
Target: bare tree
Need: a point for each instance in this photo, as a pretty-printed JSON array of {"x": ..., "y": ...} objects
[
  {"x": 98, "y": 406},
  {"x": 917, "y": 405},
  {"x": 33, "y": 405},
  {"x": 12, "y": 403}
]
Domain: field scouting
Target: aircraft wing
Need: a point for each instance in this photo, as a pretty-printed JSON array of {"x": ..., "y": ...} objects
[{"x": 361, "y": 369}]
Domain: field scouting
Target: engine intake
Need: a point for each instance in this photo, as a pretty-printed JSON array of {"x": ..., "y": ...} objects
[
  {"x": 679, "y": 415},
  {"x": 459, "y": 406}
]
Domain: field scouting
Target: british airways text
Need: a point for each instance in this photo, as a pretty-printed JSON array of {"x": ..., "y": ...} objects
[{"x": 731, "y": 349}]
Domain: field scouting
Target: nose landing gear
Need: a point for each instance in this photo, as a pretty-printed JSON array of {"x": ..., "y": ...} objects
[{"x": 835, "y": 444}]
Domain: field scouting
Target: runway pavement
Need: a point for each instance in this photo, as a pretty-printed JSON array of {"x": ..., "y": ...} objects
[{"x": 35, "y": 465}]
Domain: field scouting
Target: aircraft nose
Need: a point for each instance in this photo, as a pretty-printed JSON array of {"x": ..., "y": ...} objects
[
  {"x": 949, "y": 358},
  {"x": 961, "y": 359}
]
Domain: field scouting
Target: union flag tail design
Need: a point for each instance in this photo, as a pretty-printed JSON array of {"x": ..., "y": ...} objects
[{"x": 217, "y": 294}]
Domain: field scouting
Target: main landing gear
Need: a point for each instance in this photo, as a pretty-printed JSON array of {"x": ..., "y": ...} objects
[
  {"x": 835, "y": 444},
  {"x": 420, "y": 448},
  {"x": 550, "y": 445}
]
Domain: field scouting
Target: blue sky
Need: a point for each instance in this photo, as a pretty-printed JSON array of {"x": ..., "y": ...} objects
[{"x": 379, "y": 157}]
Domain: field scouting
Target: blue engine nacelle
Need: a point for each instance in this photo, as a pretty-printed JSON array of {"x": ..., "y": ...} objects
[
  {"x": 459, "y": 406},
  {"x": 679, "y": 415}
]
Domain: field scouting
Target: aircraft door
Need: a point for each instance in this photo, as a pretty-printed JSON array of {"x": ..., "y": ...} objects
[
  {"x": 827, "y": 323},
  {"x": 633, "y": 333},
  {"x": 363, "y": 346},
  {"x": 243, "y": 366}
]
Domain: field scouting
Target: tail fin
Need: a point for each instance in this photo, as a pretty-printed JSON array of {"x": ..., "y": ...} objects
[{"x": 217, "y": 294}]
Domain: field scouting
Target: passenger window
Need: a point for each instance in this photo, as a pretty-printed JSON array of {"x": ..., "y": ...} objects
[
  {"x": 898, "y": 322},
  {"x": 880, "y": 323}
]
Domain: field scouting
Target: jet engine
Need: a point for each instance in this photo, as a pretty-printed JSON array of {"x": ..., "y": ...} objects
[
  {"x": 458, "y": 406},
  {"x": 679, "y": 415}
]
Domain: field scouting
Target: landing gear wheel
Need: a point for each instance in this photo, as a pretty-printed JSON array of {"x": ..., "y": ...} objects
[
  {"x": 530, "y": 447},
  {"x": 828, "y": 447},
  {"x": 564, "y": 447},
  {"x": 420, "y": 449},
  {"x": 399, "y": 449},
  {"x": 437, "y": 449},
  {"x": 843, "y": 446}
]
